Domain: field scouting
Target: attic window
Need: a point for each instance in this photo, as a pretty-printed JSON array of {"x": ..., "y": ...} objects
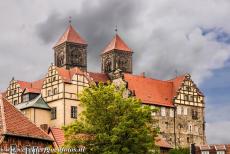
[{"x": 13, "y": 149}]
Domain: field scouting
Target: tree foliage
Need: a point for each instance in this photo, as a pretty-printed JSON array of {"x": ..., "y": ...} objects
[
  {"x": 111, "y": 123},
  {"x": 179, "y": 151}
]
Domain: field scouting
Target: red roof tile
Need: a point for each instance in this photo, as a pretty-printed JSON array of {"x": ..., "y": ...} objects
[
  {"x": 57, "y": 135},
  {"x": 68, "y": 74},
  {"x": 31, "y": 87},
  {"x": 161, "y": 142},
  {"x": 118, "y": 44},
  {"x": 16, "y": 124},
  {"x": 150, "y": 91},
  {"x": 177, "y": 83},
  {"x": 98, "y": 77},
  {"x": 156, "y": 92},
  {"x": 70, "y": 35}
]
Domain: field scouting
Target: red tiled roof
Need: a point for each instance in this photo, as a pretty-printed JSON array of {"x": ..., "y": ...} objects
[
  {"x": 150, "y": 91},
  {"x": 70, "y": 35},
  {"x": 68, "y": 74},
  {"x": 118, "y": 44},
  {"x": 177, "y": 83},
  {"x": 161, "y": 142},
  {"x": 31, "y": 87},
  {"x": 57, "y": 135},
  {"x": 98, "y": 77},
  {"x": 14, "y": 123}
]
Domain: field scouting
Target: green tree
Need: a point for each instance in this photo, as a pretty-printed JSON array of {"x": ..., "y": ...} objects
[
  {"x": 111, "y": 123},
  {"x": 179, "y": 151}
]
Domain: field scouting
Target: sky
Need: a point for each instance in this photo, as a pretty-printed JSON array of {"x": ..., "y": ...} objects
[{"x": 167, "y": 36}]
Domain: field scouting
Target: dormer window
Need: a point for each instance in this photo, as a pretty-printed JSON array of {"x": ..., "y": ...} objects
[{"x": 25, "y": 97}]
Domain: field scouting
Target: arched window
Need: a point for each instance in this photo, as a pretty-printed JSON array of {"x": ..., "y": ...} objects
[{"x": 108, "y": 65}]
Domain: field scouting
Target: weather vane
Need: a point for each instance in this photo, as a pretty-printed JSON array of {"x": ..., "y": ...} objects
[{"x": 70, "y": 19}]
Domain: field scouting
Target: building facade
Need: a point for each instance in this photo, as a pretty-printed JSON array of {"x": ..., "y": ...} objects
[
  {"x": 18, "y": 134},
  {"x": 180, "y": 103}
]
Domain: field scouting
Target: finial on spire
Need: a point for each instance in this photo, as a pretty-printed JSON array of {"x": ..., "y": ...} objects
[
  {"x": 116, "y": 30},
  {"x": 70, "y": 19}
]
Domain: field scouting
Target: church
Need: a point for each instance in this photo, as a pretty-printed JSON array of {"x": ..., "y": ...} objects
[{"x": 52, "y": 102}]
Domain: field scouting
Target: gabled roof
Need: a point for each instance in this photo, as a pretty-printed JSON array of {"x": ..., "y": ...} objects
[
  {"x": 14, "y": 123},
  {"x": 150, "y": 91},
  {"x": 57, "y": 135},
  {"x": 37, "y": 102},
  {"x": 118, "y": 44},
  {"x": 153, "y": 91},
  {"x": 31, "y": 87},
  {"x": 72, "y": 36},
  {"x": 68, "y": 74}
]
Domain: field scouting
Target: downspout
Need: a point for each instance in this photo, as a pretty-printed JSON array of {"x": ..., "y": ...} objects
[
  {"x": 64, "y": 103},
  {"x": 174, "y": 129}
]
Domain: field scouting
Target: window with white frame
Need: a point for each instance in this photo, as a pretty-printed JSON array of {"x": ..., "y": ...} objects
[
  {"x": 35, "y": 150},
  {"x": 220, "y": 152},
  {"x": 171, "y": 112},
  {"x": 25, "y": 98},
  {"x": 49, "y": 92},
  {"x": 204, "y": 152},
  {"x": 27, "y": 150},
  {"x": 73, "y": 111},
  {"x": 196, "y": 129},
  {"x": 179, "y": 110},
  {"x": 163, "y": 111},
  {"x": 55, "y": 91},
  {"x": 185, "y": 110},
  {"x": 13, "y": 149},
  {"x": 190, "y": 128},
  {"x": 53, "y": 113}
]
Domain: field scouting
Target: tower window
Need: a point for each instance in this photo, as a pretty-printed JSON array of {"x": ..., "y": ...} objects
[
  {"x": 185, "y": 110},
  {"x": 53, "y": 113},
  {"x": 163, "y": 112},
  {"x": 191, "y": 98},
  {"x": 179, "y": 110},
  {"x": 55, "y": 91},
  {"x": 49, "y": 93},
  {"x": 15, "y": 102},
  {"x": 194, "y": 115},
  {"x": 188, "y": 140},
  {"x": 73, "y": 111},
  {"x": 185, "y": 97}
]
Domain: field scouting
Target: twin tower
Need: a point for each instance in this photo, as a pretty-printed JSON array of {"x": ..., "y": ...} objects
[{"x": 71, "y": 51}]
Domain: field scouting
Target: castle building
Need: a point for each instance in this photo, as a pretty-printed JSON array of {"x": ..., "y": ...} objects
[{"x": 181, "y": 114}]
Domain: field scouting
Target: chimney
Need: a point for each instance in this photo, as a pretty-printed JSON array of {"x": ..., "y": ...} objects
[{"x": 143, "y": 74}]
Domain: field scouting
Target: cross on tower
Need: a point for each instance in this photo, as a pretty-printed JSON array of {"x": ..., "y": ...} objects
[
  {"x": 116, "y": 30},
  {"x": 70, "y": 19}
]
